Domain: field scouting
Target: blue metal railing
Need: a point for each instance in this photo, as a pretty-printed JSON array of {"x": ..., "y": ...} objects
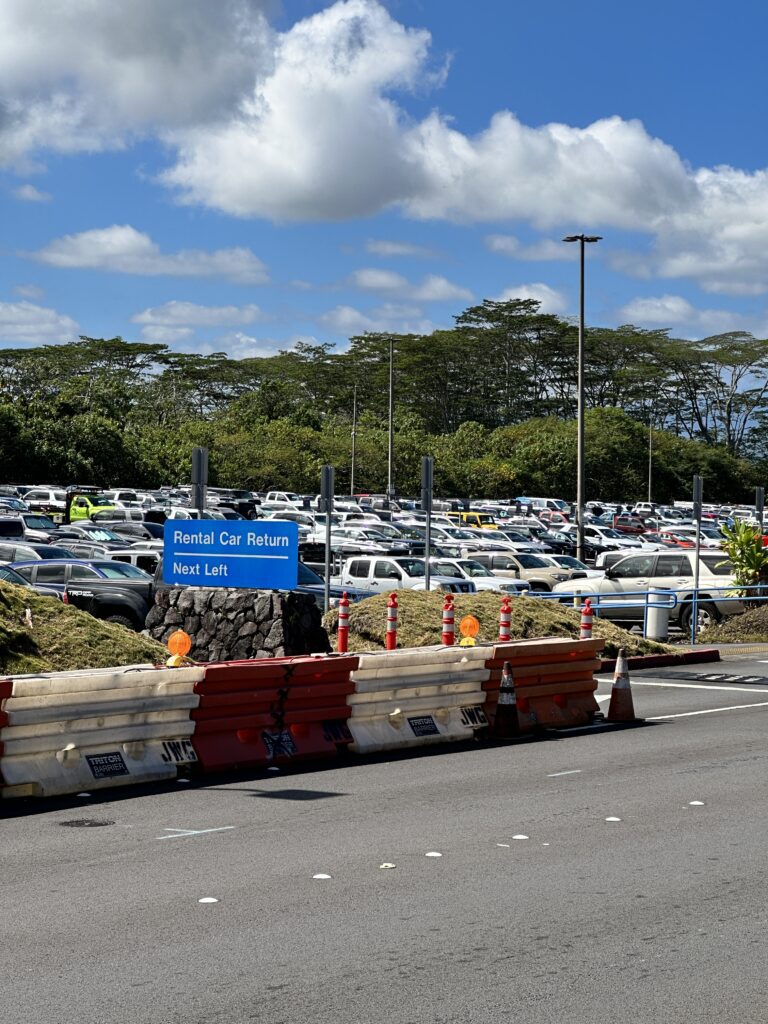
[{"x": 742, "y": 596}]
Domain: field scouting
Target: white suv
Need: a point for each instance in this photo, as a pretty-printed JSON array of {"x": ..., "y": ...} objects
[{"x": 668, "y": 570}]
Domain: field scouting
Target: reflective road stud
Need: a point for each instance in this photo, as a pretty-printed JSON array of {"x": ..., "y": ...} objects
[{"x": 391, "y": 636}]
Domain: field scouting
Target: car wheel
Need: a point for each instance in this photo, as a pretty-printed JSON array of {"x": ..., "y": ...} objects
[
  {"x": 121, "y": 620},
  {"x": 540, "y": 588},
  {"x": 706, "y": 613}
]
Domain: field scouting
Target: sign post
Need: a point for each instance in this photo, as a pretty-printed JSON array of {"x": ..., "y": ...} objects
[
  {"x": 216, "y": 553},
  {"x": 199, "y": 478},
  {"x": 326, "y": 505},
  {"x": 760, "y": 506},
  {"x": 427, "y": 477},
  {"x": 697, "y": 498}
]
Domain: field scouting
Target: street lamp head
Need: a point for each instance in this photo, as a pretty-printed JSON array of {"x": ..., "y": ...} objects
[{"x": 583, "y": 238}]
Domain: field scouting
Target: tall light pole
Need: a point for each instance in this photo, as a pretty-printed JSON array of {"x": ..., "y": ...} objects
[
  {"x": 650, "y": 452},
  {"x": 582, "y": 240},
  {"x": 391, "y": 444},
  {"x": 354, "y": 442}
]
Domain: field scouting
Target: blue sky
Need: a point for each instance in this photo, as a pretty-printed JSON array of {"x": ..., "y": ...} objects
[{"x": 238, "y": 175}]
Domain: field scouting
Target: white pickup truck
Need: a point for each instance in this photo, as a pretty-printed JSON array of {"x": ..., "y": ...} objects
[{"x": 383, "y": 574}]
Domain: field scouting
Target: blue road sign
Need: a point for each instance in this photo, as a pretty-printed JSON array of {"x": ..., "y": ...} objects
[{"x": 212, "y": 553}]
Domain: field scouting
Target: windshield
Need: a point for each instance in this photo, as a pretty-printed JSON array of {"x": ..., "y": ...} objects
[
  {"x": 39, "y": 523},
  {"x": 473, "y": 569},
  {"x": 51, "y": 552},
  {"x": 11, "y": 576},
  {"x": 307, "y": 576},
  {"x": 121, "y": 571},
  {"x": 100, "y": 501},
  {"x": 99, "y": 533},
  {"x": 411, "y": 566},
  {"x": 612, "y": 533},
  {"x": 568, "y": 562},
  {"x": 531, "y": 561}
]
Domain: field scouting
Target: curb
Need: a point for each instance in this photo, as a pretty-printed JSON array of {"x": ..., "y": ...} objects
[{"x": 706, "y": 654}]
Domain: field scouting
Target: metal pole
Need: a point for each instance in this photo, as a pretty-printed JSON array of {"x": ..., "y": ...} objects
[
  {"x": 326, "y": 500},
  {"x": 354, "y": 441},
  {"x": 391, "y": 444},
  {"x": 427, "y": 476},
  {"x": 580, "y": 415},
  {"x": 760, "y": 506},
  {"x": 697, "y": 499},
  {"x": 650, "y": 453},
  {"x": 199, "y": 478}
]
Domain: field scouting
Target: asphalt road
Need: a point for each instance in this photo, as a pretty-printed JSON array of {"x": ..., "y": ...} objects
[{"x": 540, "y": 908}]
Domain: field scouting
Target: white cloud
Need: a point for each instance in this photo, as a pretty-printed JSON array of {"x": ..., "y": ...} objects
[
  {"x": 380, "y": 247},
  {"x": 26, "y": 323},
  {"x": 389, "y": 317},
  {"x": 308, "y": 124},
  {"x": 123, "y": 249},
  {"x": 78, "y": 75},
  {"x": 30, "y": 194},
  {"x": 551, "y": 300},
  {"x": 29, "y": 291},
  {"x": 544, "y": 249},
  {"x": 156, "y": 333},
  {"x": 433, "y": 288},
  {"x": 176, "y": 313},
  {"x": 239, "y": 345},
  {"x": 683, "y": 318}
]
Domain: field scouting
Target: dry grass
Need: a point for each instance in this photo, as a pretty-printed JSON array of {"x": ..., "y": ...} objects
[
  {"x": 62, "y": 638},
  {"x": 420, "y": 622},
  {"x": 750, "y": 627}
]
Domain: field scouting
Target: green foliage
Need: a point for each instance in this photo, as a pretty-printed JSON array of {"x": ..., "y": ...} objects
[
  {"x": 493, "y": 399},
  {"x": 744, "y": 546}
]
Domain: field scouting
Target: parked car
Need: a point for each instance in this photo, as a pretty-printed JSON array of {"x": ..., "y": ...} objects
[
  {"x": 9, "y": 575},
  {"x": 480, "y": 575},
  {"x": 46, "y": 499},
  {"x": 58, "y": 572},
  {"x": 13, "y": 552},
  {"x": 132, "y": 532},
  {"x": 533, "y": 568},
  {"x": 383, "y": 574},
  {"x": 668, "y": 570},
  {"x": 570, "y": 562}
]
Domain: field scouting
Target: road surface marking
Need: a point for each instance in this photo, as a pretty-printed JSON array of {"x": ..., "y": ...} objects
[
  {"x": 572, "y": 771},
  {"x": 699, "y": 686},
  {"x": 709, "y": 711},
  {"x": 183, "y": 833}
]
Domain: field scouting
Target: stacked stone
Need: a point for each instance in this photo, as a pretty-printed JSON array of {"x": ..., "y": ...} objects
[{"x": 227, "y": 625}]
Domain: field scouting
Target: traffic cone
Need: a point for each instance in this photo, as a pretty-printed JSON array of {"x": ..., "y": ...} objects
[
  {"x": 506, "y": 722},
  {"x": 621, "y": 708}
]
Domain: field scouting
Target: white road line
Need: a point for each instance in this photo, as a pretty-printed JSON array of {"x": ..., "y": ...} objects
[
  {"x": 700, "y": 686},
  {"x": 709, "y": 711},
  {"x": 184, "y": 833},
  {"x": 606, "y": 696},
  {"x": 573, "y": 771}
]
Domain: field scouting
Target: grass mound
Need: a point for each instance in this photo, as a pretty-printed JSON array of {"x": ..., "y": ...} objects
[
  {"x": 420, "y": 622},
  {"x": 60, "y": 638},
  {"x": 749, "y": 627}
]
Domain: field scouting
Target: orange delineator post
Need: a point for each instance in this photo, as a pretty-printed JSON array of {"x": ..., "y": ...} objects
[
  {"x": 391, "y": 634},
  {"x": 449, "y": 619},
  {"x": 505, "y": 621},
  {"x": 587, "y": 616},
  {"x": 343, "y": 631}
]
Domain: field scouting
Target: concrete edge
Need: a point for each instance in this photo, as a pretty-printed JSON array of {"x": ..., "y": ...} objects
[{"x": 697, "y": 657}]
